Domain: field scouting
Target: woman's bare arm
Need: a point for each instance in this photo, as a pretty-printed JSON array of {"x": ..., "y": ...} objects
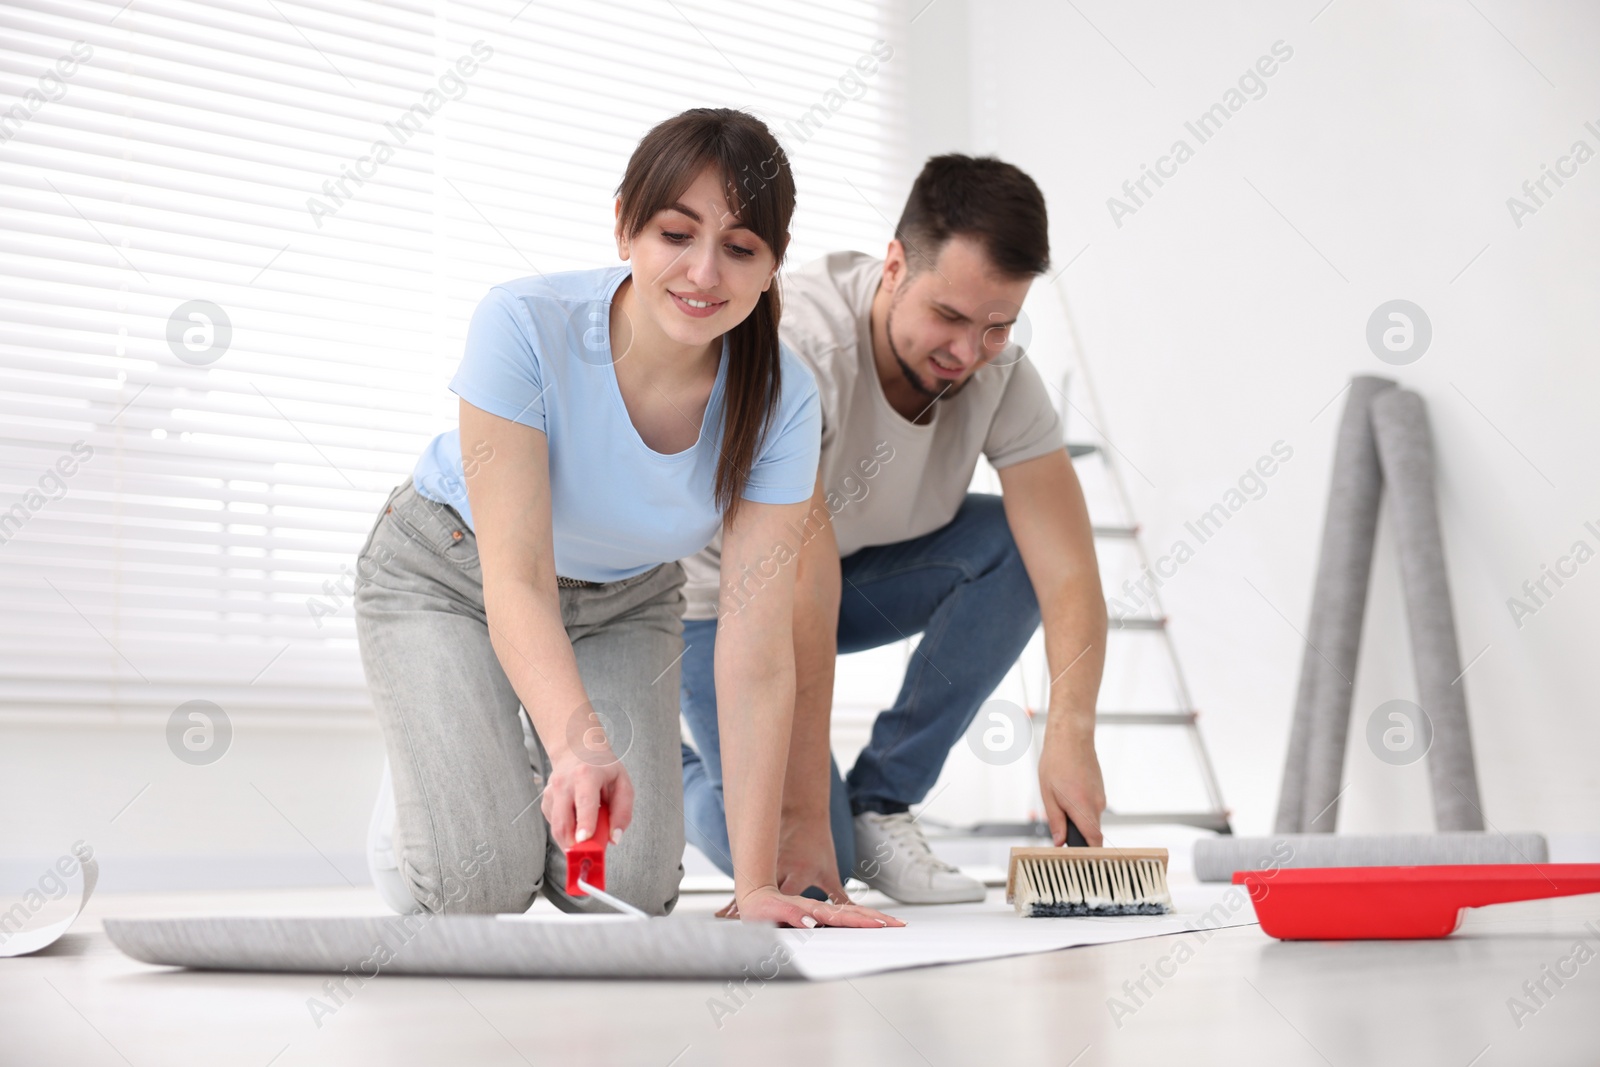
[
  {"x": 755, "y": 679},
  {"x": 510, "y": 497}
]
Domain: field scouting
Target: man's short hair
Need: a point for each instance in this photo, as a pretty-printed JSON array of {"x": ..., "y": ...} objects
[{"x": 981, "y": 198}]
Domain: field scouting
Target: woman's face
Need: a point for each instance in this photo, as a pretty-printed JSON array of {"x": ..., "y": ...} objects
[{"x": 697, "y": 272}]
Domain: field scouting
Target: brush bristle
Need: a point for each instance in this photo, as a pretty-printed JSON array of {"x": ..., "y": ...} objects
[
  {"x": 1064, "y": 887},
  {"x": 1072, "y": 911}
]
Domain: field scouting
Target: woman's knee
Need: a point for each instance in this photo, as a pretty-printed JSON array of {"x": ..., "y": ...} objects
[
  {"x": 652, "y": 889},
  {"x": 647, "y": 868},
  {"x": 484, "y": 877}
]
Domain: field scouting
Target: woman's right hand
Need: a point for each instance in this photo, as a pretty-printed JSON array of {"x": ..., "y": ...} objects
[{"x": 578, "y": 785}]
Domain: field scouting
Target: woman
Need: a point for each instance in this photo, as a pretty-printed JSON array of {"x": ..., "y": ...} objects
[{"x": 610, "y": 420}]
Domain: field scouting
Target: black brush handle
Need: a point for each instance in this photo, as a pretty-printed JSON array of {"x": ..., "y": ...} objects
[{"x": 1074, "y": 838}]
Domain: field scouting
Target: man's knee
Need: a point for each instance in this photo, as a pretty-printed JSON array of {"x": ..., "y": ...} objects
[
  {"x": 985, "y": 505},
  {"x": 697, "y": 695},
  {"x": 997, "y": 547}
]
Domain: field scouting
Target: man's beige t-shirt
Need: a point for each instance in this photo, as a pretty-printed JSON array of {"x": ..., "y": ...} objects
[{"x": 886, "y": 478}]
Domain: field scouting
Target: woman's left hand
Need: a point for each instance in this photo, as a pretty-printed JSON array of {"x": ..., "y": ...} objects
[
  {"x": 806, "y": 857},
  {"x": 767, "y": 904}
]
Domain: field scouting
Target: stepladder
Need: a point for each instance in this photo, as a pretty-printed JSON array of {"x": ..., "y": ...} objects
[{"x": 1153, "y": 757}]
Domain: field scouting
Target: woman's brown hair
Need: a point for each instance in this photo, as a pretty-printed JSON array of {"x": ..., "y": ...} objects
[{"x": 760, "y": 190}]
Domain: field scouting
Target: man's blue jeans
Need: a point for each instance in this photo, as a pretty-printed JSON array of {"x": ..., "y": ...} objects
[{"x": 964, "y": 588}]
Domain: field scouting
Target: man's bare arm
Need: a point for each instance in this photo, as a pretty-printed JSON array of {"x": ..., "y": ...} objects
[{"x": 1050, "y": 522}]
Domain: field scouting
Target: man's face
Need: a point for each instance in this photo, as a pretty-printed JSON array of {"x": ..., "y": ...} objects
[{"x": 950, "y": 318}]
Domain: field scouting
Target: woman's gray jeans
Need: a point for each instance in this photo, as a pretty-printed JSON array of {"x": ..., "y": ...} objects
[{"x": 469, "y": 835}]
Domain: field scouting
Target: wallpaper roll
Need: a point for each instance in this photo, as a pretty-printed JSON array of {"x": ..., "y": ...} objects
[
  {"x": 1405, "y": 449},
  {"x": 20, "y": 942},
  {"x": 1216, "y": 858},
  {"x": 506, "y": 946},
  {"x": 1315, "y": 764}
]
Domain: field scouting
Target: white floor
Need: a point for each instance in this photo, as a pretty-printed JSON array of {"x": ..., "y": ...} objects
[{"x": 1238, "y": 998}]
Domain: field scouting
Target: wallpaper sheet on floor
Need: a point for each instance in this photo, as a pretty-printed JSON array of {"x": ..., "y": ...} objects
[
  {"x": 545, "y": 945},
  {"x": 962, "y": 933}
]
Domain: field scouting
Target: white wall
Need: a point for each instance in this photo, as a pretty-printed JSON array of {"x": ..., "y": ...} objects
[
  {"x": 286, "y": 805},
  {"x": 1231, "y": 308},
  {"x": 1390, "y": 141}
]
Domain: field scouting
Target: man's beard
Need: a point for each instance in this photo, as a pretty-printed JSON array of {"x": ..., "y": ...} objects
[{"x": 944, "y": 393}]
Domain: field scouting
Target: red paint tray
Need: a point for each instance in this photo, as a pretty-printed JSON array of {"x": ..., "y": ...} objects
[{"x": 1356, "y": 903}]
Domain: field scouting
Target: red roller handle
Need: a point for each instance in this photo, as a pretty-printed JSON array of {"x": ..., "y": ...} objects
[{"x": 587, "y": 859}]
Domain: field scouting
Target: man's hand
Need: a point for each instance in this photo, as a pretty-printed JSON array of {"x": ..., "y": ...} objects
[
  {"x": 1045, "y": 509},
  {"x": 1070, "y": 783},
  {"x": 806, "y": 857}
]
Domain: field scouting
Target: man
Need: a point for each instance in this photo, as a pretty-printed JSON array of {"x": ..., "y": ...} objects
[{"x": 918, "y": 377}]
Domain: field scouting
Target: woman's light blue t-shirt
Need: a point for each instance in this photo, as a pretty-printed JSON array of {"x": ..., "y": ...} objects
[{"x": 538, "y": 352}]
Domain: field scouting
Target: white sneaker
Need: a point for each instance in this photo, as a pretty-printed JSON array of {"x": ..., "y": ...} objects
[
  {"x": 893, "y": 857},
  {"x": 381, "y": 864}
]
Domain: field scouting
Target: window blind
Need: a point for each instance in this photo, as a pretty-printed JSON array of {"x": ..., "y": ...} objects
[{"x": 241, "y": 242}]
